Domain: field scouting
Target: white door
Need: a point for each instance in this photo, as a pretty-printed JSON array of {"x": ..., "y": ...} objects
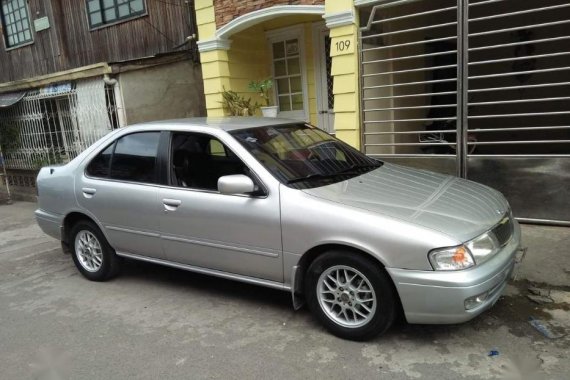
[
  {"x": 323, "y": 78},
  {"x": 288, "y": 71}
]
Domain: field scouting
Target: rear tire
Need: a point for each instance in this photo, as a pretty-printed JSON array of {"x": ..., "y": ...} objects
[
  {"x": 92, "y": 254},
  {"x": 350, "y": 295}
]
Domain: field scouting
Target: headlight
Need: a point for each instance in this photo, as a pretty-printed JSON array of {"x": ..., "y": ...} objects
[
  {"x": 454, "y": 258},
  {"x": 473, "y": 252},
  {"x": 483, "y": 247}
]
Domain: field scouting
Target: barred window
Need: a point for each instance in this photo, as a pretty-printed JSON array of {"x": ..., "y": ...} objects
[
  {"x": 102, "y": 12},
  {"x": 16, "y": 22}
]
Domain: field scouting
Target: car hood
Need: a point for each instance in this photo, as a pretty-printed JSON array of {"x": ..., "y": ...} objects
[{"x": 456, "y": 207}]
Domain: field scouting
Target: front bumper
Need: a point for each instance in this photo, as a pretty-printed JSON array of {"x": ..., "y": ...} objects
[{"x": 438, "y": 297}]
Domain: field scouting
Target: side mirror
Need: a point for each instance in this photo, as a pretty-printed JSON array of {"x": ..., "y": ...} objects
[{"x": 235, "y": 184}]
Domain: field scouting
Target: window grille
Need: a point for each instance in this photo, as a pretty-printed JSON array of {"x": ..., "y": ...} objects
[{"x": 53, "y": 128}]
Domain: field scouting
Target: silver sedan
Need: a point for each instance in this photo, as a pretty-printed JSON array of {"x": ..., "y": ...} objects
[{"x": 282, "y": 204}]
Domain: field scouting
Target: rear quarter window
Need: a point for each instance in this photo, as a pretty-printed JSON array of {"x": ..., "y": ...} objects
[{"x": 101, "y": 164}]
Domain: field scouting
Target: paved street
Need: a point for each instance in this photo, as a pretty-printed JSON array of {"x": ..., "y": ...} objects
[{"x": 154, "y": 322}]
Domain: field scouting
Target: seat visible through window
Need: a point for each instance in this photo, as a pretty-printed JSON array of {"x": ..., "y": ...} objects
[{"x": 199, "y": 160}]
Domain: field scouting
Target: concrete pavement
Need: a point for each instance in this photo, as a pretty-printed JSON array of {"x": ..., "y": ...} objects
[{"x": 154, "y": 322}]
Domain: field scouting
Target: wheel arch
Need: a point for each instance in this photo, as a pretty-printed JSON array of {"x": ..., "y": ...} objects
[
  {"x": 308, "y": 257},
  {"x": 71, "y": 219},
  {"x": 300, "y": 269}
]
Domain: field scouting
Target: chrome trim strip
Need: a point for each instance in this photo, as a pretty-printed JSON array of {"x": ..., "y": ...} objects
[
  {"x": 143, "y": 233},
  {"x": 410, "y": 120},
  {"x": 479, "y": 130},
  {"x": 412, "y": 83},
  {"x": 526, "y": 11},
  {"x": 519, "y": 43},
  {"x": 219, "y": 245},
  {"x": 544, "y": 222},
  {"x": 439, "y": 10},
  {"x": 410, "y": 95},
  {"x": 427, "y": 68},
  {"x": 410, "y": 44},
  {"x": 518, "y": 155},
  {"x": 540, "y": 85},
  {"x": 525, "y": 27},
  {"x": 212, "y": 272},
  {"x": 410, "y": 30},
  {"x": 485, "y": 2},
  {"x": 410, "y": 57}
]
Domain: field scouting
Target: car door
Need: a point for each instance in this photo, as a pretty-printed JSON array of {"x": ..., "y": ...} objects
[
  {"x": 201, "y": 227},
  {"x": 119, "y": 187}
]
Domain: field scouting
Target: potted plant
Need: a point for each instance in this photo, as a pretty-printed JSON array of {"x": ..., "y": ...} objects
[
  {"x": 262, "y": 88},
  {"x": 237, "y": 105}
]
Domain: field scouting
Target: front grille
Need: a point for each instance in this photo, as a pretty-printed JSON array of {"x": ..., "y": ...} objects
[{"x": 504, "y": 230}]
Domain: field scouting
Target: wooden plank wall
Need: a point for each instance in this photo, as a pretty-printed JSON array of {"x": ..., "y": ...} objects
[{"x": 69, "y": 43}]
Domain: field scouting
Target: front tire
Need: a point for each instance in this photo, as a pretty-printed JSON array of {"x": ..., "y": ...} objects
[
  {"x": 92, "y": 254},
  {"x": 351, "y": 295}
]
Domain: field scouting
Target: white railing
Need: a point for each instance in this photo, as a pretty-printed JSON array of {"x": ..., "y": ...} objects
[{"x": 52, "y": 127}]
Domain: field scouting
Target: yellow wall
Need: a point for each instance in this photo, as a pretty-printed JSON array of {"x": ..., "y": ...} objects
[
  {"x": 249, "y": 58},
  {"x": 248, "y": 61},
  {"x": 345, "y": 72}
]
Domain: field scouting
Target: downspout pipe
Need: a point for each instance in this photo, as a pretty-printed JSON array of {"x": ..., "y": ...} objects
[
  {"x": 118, "y": 99},
  {"x": 3, "y": 162}
]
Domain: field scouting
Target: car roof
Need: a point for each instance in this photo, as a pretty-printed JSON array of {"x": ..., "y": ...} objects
[{"x": 229, "y": 123}]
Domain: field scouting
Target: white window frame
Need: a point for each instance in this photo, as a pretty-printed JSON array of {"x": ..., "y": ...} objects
[{"x": 283, "y": 34}]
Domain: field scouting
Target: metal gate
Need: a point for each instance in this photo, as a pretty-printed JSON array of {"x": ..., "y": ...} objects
[
  {"x": 480, "y": 89},
  {"x": 54, "y": 124}
]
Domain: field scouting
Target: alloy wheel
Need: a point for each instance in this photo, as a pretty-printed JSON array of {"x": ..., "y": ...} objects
[
  {"x": 346, "y": 296},
  {"x": 88, "y": 250}
]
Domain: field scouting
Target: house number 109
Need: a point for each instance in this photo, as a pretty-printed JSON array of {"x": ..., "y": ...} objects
[{"x": 342, "y": 45}]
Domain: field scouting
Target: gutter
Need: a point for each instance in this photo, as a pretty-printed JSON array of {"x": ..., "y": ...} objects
[{"x": 122, "y": 118}]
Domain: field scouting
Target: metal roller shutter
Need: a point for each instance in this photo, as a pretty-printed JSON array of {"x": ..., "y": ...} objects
[{"x": 480, "y": 89}]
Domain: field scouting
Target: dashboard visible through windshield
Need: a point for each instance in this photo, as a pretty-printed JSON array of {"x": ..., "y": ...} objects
[{"x": 302, "y": 156}]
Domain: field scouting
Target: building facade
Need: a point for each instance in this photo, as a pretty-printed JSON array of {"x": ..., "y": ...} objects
[
  {"x": 71, "y": 71},
  {"x": 475, "y": 88}
]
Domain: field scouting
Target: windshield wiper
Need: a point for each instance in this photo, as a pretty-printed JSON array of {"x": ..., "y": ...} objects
[
  {"x": 345, "y": 172},
  {"x": 316, "y": 176},
  {"x": 359, "y": 166}
]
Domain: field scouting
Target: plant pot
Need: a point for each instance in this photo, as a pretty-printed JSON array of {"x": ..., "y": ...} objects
[{"x": 270, "y": 111}]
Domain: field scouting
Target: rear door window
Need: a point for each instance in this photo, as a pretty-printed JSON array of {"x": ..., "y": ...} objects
[
  {"x": 135, "y": 158},
  {"x": 131, "y": 158}
]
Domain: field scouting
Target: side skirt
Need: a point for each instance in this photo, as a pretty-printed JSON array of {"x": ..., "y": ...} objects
[{"x": 211, "y": 272}]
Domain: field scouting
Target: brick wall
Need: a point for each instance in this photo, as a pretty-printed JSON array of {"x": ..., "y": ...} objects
[{"x": 227, "y": 10}]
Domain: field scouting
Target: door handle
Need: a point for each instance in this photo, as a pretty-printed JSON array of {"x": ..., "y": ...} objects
[
  {"x": 88, "y": 192},
  {"x": 171, "y": 204}
]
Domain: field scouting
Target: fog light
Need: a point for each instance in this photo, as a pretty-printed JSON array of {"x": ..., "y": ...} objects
[{"x": 473, "y": 302}]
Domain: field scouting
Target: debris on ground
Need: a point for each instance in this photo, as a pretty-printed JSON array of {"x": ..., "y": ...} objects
[
  {"x": 539, "y": 291},
  {"x": 493, "y": 353},
  {"x": 544, "y": 328},
  {"x": 539, "y": 295},
  {"x": 560, "y": 296},
  {"x": 539, "y": 299}
]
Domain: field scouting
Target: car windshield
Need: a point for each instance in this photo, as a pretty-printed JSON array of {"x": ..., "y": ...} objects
[{"x": 302, "y": 156}]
